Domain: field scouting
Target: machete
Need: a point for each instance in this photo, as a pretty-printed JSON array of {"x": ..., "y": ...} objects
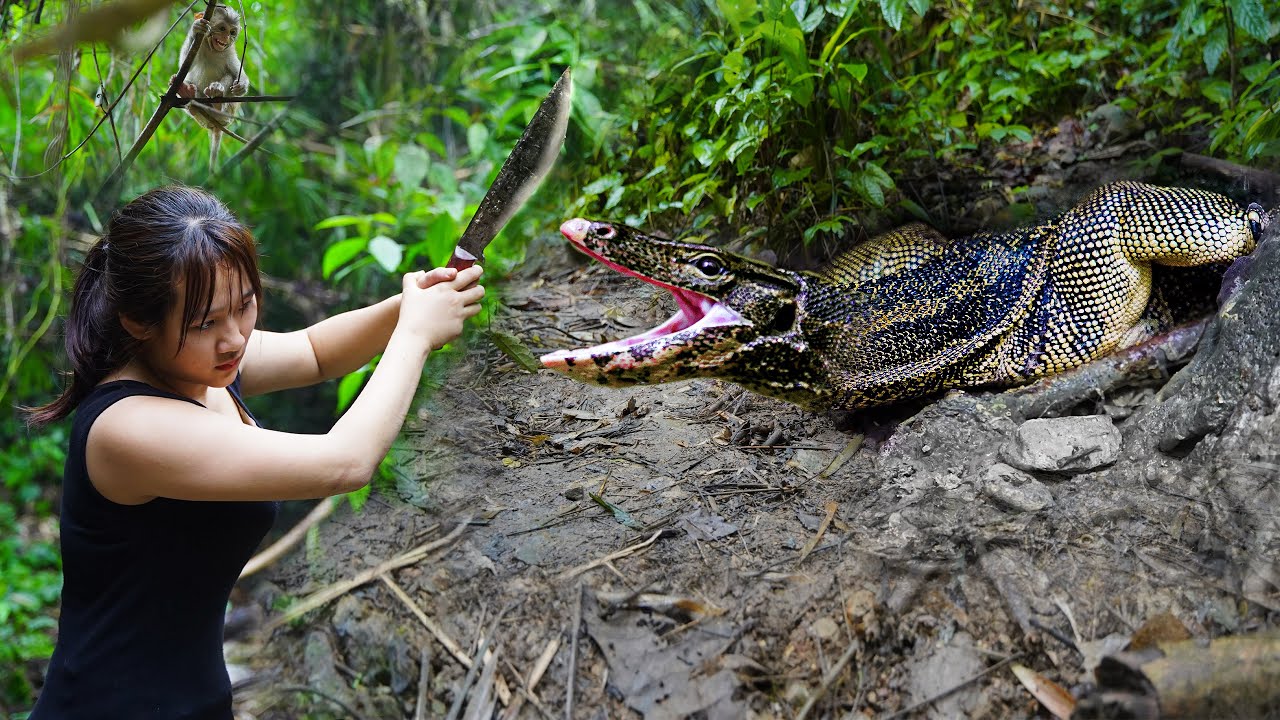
[{"x": 534, "y": 154}]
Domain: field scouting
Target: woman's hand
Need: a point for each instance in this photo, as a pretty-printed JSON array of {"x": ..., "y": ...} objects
[
  {"x": 427, "y": 278},
  {"x": 435, "y": 303}
]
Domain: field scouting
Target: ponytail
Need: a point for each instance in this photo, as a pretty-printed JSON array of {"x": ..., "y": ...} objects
[{"x": 95, "y": 340}]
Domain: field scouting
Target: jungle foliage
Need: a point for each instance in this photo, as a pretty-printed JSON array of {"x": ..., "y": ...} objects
[
  {"x": 731, "y": 119},
  {"x": 797, "y": 116}
]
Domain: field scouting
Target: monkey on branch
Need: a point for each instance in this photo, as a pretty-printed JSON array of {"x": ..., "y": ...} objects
[{"x": 216, "y": 72}]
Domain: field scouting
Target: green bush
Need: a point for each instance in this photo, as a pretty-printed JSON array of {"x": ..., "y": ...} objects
[{"x": 797, "y": 116}]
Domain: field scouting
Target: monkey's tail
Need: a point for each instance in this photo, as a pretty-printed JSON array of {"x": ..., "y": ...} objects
[{"x": 215, "y": 141}]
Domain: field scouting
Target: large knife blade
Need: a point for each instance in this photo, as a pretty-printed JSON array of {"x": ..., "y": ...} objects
[{"x": 534, "y": 154}]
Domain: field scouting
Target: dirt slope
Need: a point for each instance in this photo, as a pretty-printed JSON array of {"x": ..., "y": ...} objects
[{"x": 791, "y": 563}]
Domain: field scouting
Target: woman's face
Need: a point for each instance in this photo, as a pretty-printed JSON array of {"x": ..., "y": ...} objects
[{"x": 215, "y": 343}]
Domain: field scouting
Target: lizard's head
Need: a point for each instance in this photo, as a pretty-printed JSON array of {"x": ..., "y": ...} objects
[
  {"x": 729, "y": 309},
  {"x": 1258, "y": 220}
]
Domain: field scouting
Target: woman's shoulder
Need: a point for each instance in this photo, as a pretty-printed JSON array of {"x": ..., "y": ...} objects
[{"x": 110, "y": 393}]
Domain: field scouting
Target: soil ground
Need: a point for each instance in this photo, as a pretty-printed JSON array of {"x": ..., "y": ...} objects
[{"x": 766, "y": 561}]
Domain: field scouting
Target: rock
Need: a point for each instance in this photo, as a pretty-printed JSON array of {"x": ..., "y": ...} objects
[
  {"x": 824, "y": 628},
  {"x": 371, "y": 645},
  {"x": 466, "y": 562},
  {"x": 1016, "y": 489},
  {"x": 321, "y": 667},
  {"x": 1065, "y": 444},
  {"x": 945, "y": 667},
  {"x": 706, "y": 527},
  {"x": 535, "y": 550},
  {"x": 811, "y": 462}
]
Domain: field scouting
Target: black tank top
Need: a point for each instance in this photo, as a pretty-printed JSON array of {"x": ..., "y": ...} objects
[{"x": 144, "y": 592}]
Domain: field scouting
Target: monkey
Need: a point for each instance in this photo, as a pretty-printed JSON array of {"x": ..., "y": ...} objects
[{"x": 216, "y": 72}]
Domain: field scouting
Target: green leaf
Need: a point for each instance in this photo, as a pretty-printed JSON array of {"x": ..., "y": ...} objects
[
  {"x": 1252, "y": 18},
  {"x": 441, "y": 178},
  {"x": 387, "y": 252},
  {"x": 1259, "y": 72},
  {"x": 339, "y": 221},
  {"x": 1214, "y": 47},
  {"x": 477, "y": 137},
  {"x": 914, "y": 208},
  {"x": 783, "y": 177},
  {"x": 830, "y": 225},
  {"x": 1218, "y": 91},
  {"x": 893, "y": 11},
  {"x": 1190, "y": 11},
  {"x": 341, "y": 253},
  {"x": 619, "y": 514},
  {"x": 519, "y": 353},
  {"x": 357, "y": 498},
  {"x": 737, "y": 12},
  {"x": 878, "y": 174},
  {"x": 858, "y": 71},
  {"x": 614, "y": 197},
  {"x": 442, "y": 235},
  {"x": 599, "y": 185},
  {"x": 920, "y": 6},
  {"x": 870, "y": 188},
  {"x": 349, "y": 387},
  {"x": 526, "y": 44},
  {"x": 412, "y": 163}
]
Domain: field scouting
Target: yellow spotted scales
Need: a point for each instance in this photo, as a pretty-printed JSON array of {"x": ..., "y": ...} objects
[{"x": 912, "y": 312}]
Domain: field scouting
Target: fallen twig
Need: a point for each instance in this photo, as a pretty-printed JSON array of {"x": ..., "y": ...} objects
[
  {"x": 454, "y": 649},
  {"x": 574, "y": 572},
  {"x": 828, "y": 680},
  {"x": 855, "y": 443},
  {"x": 476, "y": 662},
  {"x": 424, "y": 684},
  {"x": 573, "y": 652},
  {"x": 822, "y": 530},
  {"x": 482, "y": 705},
  {"x": 338, "y": 589},
  {"x": 531, "y": 681},
  {"x": 525, "y": 694},
  {"x": 322, "y": 510}
]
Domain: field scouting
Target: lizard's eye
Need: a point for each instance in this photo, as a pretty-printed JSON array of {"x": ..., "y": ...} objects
[
  {"x": 708, "y": 265},
  {"x": 604, "y": 232}
]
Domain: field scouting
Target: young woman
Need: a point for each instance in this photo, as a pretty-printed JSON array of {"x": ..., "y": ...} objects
[{"x": 169, "y": 481}]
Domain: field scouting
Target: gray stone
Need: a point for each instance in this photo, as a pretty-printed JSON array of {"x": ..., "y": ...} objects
[
  {"x": 943, "y": 667},
  {"x": 372, "y": 645},
  {"x": 825, "y": 628},
  {"x": 321, "y": 667},
  {"x": 1065, "y": 444},
  {"x": 1013, "y": 488}
]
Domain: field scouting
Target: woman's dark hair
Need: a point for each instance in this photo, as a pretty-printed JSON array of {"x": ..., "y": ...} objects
[{"x": 167, "y": 237}]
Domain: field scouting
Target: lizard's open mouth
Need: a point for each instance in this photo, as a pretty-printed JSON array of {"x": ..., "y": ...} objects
[{"x": 696, "y": 314}]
